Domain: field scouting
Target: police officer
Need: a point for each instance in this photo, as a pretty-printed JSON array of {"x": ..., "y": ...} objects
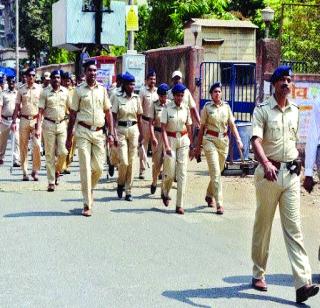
[
  {"x": 27, "y": 106},
  {"x": 53, "y": 104},
  {"x": 46, "y": 80},
  {"x": 177, "y": 139},
  {"x": 148, "y": 95},
  {"x": 187, "y": 99},
  {"x": 277, "y": 181},
  {"x": 90, "y": 106},
  {"x": 216, "y": 116},
  {"x": 7, "y": 105},
  {"x": 155, "y": 133},
  {"x": 127, "y": 111},
  {"x": 68, "y": 84}
]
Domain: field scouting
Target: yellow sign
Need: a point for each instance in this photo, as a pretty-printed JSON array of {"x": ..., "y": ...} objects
[{"x": 132, "y": 19}]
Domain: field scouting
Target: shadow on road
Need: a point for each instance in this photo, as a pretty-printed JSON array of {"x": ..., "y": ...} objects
[
  {"x": 237, "y": 291},
  {"x": 74, "y": 212},
  {"x": 143, "y": 210}
]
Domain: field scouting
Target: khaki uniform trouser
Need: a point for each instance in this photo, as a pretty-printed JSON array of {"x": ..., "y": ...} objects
[
  {"x": 27, "y": 128},
  {"x": 54, "y": 137},
  {"x": 157, "y": 158},
  {"x": 128, "y": 144},
  {"x": 91, "y": 151},
  {"x": 146, "y": 139},
  {"x": 176, "y": 165},
  {"x": 216, "y": 151},
  {"x": 5, "y": 132},
  {"x": 286, "y": 193}
]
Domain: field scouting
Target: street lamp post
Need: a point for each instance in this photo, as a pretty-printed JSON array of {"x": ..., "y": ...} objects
[
  {"x": 267, "y": 17},
  {"x": 195, "y": 29},
  {"x": 17, "y": 40}
]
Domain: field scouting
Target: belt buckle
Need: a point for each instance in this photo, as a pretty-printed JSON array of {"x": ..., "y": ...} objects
[
  {"x": 9, "y": 118},
  {"x": 93, "y": 128},
  {"x": 57, "y": 122},
  {"x": 30, "y": 118},
  {"x": 129, "y": 123},
  {"x": 220, "y": 135}
]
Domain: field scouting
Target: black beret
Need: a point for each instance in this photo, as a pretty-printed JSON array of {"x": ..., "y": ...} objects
[{"x": 214, "y": 86}]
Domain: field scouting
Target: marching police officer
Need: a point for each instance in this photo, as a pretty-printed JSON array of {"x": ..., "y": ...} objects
[
  {"x": 53, "y": 104},
  {"x": 27, "y": 107},
  {"x": 155, "y": 133},
  {"x": 277, "y": 181},
  {"x": 90, "y": 106},
  {"x": 127, "y": 111},
  {"x": 177, "y": 139},
  {"x": 216, "y": 116},
  {"x": 148, "y": 95},
  {"x": 7, "y": 105}
]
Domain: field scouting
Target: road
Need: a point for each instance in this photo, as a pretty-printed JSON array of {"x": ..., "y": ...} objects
[{"x": 139, "y": 254}]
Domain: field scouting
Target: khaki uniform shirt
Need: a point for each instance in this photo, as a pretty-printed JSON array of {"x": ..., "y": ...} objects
[
  {"x": 91, "y": 104},
  {"x": 156, "y": 111},
  {"x": 29, "y": 98},
  {"x": 187, "y": 98},
  {"x": 176, "y": 118},
  {"x": 127, "y": 108},
  {"x": 54, "y": 103},
  {"x": 147, "y": 97},
  {"x": 113, "y": 94},
  {"x": 216, "y": 117},
  {"x": 8, "y": 102},
  {"x": 277, "y": 128}
]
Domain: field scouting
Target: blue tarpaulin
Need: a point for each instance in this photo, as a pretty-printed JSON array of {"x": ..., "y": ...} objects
[{"x": 8, "y": 71}]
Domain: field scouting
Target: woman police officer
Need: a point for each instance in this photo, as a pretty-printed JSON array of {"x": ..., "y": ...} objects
[
  {"x": 127, "y": 112},
  {"x": 216, "y": 116},
  {"x": 177, "y": 137}
]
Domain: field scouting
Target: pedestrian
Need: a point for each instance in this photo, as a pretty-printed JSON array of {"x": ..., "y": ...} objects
[
  {"x": 148, "y": 95},
  {"x": 127, "y": 111},
  {"x": 177, "y": 140},
  {"x": 187, "y": 99},
  {"x": 277, "y": 182},
  {"x": 7, "y": 105},
  {"x": 90, "y": 107},
  {"x": 27, "y": 107},
  {"x": 311, "y": 148},
  {"x": 216, "y": 117},
  {"x": 46, "y": 80},
  {"x": 52, "y": 106},
  {"x": 155, "y": 133}
]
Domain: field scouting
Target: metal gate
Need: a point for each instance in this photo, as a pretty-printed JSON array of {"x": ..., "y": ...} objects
[{"x": 238, "y": 86}]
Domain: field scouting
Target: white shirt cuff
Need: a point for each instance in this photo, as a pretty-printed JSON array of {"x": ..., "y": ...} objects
[{"x": 308, "y": 172}]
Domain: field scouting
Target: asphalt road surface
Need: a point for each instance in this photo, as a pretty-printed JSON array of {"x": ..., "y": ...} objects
[{"x": 139, "y": 254}]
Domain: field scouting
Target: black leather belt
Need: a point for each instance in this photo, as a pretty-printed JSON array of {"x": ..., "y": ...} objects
[
  {"x": 127, "y": 123},
  {"x": 145, "y": 118},
  {"x": 92, "y": 128},
  {"x": 158, "y": 129},
  {"x": 55, "y": 122}
]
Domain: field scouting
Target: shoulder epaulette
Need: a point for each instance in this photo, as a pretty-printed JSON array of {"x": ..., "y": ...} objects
[{"x": 265, "y": 103}]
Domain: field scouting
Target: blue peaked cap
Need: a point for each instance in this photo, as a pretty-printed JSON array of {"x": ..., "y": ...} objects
[
  {"x": 163, "y": 89},
  {"x": 281, "y": 71},
  {"x": 127, "y": 77},
  {"x": 178, "y": 88}
]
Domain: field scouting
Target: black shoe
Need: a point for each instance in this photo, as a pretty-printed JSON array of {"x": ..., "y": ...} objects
[
  {"x": 111, "y": 170},
  {"x": 66, "y": 171},
  {"x": 303, "y": 293},
  {"x": 120, "y": 191},
  {"x": 141, "y": 176},
  {"x": 16, "y": 165},
  {"x": 128, "y": 198},
  {"x": 153, "y": 189}
]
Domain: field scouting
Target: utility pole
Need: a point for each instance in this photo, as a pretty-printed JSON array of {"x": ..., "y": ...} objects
[
  {"x": 131, "y": 34},
  {"x": 17, "y": 40}
]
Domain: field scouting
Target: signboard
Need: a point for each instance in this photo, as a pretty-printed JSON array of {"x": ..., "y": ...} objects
[
  {"x": 134, "y": 63},
  {"x": 132, "y": 19},
  {"x": 305, "y": 95},
  {"x": 104, "y": 74}
]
